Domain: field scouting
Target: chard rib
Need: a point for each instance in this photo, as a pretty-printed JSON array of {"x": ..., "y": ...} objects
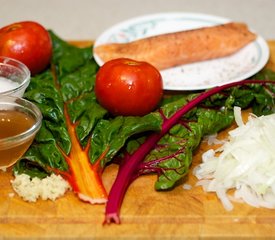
[{"x": 84, "y": 178}]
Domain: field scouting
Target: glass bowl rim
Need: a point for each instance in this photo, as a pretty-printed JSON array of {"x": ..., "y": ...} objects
[{"x": 5, "y": 61}]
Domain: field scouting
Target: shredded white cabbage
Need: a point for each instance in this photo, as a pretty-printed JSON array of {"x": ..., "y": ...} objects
[{"x": 245, "y": 163}]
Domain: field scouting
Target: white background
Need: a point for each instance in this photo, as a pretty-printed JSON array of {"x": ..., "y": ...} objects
[{"x": 87, "y": 19}]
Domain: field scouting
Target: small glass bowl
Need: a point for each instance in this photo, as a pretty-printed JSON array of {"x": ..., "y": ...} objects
[
  {"x": 17, "y": 76},
  {"x": 20, "y": 120}
]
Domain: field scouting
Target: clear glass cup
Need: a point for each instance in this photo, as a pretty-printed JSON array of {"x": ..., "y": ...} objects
[
  {"x": 20, "y": 120},
  {"x": 14, "y": 72}
]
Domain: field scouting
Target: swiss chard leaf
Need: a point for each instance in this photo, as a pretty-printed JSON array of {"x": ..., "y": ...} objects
[
  {"x": 172, "y": 157},
  {"x": 173, "y": 154},
  {"x": 67, "y": 101},
  {"x": 66, "y": 57},
  {"x": 112, "y": 134}
]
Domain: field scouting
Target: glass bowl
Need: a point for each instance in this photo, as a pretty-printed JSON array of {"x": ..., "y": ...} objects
[
  {"x": 14, "y": 77},
  {"x": 20, "y": 120}
]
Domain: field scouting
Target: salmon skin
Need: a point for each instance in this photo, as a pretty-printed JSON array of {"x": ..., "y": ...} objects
[{"x": 178, "y": 48}]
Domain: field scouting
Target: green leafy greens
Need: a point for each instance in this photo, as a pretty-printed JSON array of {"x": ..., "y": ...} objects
[{"x": 72, "y": 117}]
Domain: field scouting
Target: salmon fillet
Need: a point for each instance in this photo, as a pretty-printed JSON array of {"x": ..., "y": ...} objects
[{"x": 172, "y": 49}]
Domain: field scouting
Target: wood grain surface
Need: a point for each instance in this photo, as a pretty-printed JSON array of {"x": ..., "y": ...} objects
[{"x": 145, "y": 213}]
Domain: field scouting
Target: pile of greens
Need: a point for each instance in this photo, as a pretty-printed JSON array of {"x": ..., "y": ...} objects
[{"x": 79, "y": 138}]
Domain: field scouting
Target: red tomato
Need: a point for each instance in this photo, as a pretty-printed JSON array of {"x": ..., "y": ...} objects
[
  {"x": 28, "y": 42},
  {"x": 128, "y": 87}
]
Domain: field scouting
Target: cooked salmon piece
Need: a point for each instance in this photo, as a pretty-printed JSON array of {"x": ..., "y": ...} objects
[{"x": 173, "y": 49}]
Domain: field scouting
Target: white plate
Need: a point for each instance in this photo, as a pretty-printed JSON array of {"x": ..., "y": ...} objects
[{"x": 196, "y": 76}]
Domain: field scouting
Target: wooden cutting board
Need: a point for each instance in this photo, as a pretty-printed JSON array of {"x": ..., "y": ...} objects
[{"x": 145, "y": 213}]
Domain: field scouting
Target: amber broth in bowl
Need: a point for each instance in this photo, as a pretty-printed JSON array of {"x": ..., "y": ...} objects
[
  {"x": 20, "y": 120},
  {"x": 13, "y": 123}
]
